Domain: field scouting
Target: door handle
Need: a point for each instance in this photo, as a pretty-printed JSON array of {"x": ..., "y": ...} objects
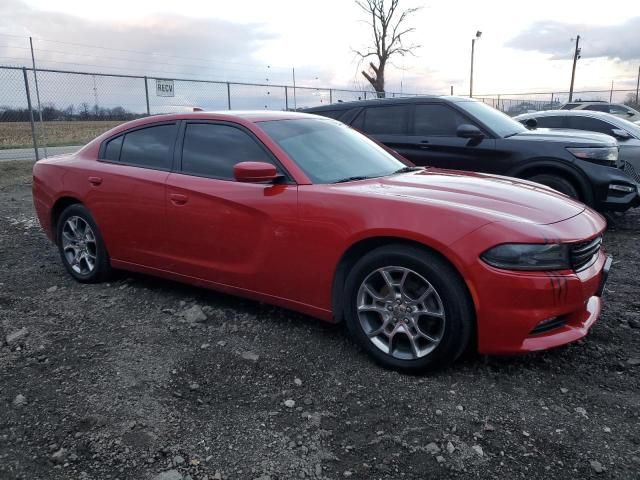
[
  {"x": 178, "y": 198},
  {"x": 95, "y": 181}
]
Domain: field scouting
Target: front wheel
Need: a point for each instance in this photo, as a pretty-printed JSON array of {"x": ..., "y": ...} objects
[
  {"x": 559, "y": 184},
  {"x": 81, "y": 246},
  {"x": 408, "y": 308}
]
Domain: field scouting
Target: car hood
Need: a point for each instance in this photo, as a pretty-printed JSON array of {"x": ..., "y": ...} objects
[
  {"x": 493, "y": 197},
  {"x": 568, "y": 137}
]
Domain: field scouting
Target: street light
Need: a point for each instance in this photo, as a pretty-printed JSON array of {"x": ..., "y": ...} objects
[{"x": 473, "y": 46}]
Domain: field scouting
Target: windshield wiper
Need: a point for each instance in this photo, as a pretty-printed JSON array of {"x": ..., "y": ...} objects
[
  {"x": 351, "y": 179},
  {"x": 407, "y": 169}
]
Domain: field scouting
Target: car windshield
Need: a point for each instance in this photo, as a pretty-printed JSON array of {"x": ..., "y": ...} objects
[
  {"x": 497, "y": 121},
  {"x": 329, "y": 151},
  {"x": 631, "y": 127}
]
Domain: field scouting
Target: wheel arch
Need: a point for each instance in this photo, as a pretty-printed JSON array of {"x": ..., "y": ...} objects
[
  {"x": 564, "y": 170},
  {"x": 56, "y": 210},
  {"x": 355, "y": 251}
]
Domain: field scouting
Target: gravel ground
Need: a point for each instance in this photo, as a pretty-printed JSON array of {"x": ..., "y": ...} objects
[{"x": 148, "y": 379}]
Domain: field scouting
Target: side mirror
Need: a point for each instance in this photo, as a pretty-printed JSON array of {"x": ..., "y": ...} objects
[
  {"x": 630, "y": 113},
  {"x": 619, "y": 133},
  {"x": 254, "y": 172},
  {"x": 469, "y": 131},
  {"x": 531, "y": 123}
]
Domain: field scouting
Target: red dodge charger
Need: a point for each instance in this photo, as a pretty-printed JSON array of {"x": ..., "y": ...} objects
[{"x": 304, "y": 212}]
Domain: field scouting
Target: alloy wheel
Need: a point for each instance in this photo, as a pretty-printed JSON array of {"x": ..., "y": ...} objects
[
  {"x": 401, "y": 312},
  {"x": 79, "y": 245}
]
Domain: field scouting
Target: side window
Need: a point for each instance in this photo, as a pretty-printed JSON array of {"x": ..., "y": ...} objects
[
  {"x": 391, "y": 120},
  {"x": 590, "y": 124},
  {"x": 569, "y": 106},
  {"x": 437, "y": 120},
  {"x": 598, "y": 108},
  {"x": 619, "y": 110},
  {"x": 212, "y": 150},
  {"x": 112, "y": 150},
  {"x": 551, "y": 122},
  {"x": 150, "y": 147}
]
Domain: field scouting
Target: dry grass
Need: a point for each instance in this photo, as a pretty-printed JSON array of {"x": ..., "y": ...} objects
[{"x": 18, "y": 134}]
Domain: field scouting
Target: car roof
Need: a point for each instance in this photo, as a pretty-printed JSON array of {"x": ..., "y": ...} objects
[
  {"x": 388, "y": 101},
  {"x": 565, "y": 113},
  {"x": 247, "y": 115}
]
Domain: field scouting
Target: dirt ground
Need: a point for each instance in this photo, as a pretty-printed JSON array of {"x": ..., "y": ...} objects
[{"x": 114, "y": 381}]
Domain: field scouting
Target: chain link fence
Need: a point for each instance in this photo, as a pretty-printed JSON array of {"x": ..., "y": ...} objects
[{"x": 49, "y": 112}]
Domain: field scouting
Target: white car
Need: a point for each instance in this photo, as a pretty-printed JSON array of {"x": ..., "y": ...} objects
[{"x": 617, "y": 109}]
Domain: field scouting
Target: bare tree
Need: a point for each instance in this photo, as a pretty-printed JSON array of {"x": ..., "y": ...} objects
[{"x": 389, "y": 28}]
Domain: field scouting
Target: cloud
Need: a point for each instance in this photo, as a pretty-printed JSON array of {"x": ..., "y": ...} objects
[
  {"x": 206, "y": 47},
  {"x": 619, "y": 42}
]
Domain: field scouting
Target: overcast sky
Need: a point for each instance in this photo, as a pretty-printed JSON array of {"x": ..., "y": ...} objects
[{"x": 525, "y": 46}]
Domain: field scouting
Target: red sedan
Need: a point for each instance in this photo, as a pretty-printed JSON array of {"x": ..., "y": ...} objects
[{"x": 304, "y": 212}]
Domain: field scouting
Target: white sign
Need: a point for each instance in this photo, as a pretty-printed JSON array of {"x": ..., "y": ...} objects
[{"x": 164, "y": 88}]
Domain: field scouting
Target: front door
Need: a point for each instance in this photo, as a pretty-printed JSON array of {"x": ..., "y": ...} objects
[{"x": 220, "y": 230}]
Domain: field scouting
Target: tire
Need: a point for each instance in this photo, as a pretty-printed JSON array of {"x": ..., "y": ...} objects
[
  {"x": 560, "y": 184},
  {"x": 86, "y": 244},
  {"x": 445, "y": 315}
]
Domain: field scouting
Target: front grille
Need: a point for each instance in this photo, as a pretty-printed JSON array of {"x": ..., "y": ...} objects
[
  {"x": 629, "y": 170},
  {"x": 585, "y": 253},
  {"x": 548, "y": 325}
]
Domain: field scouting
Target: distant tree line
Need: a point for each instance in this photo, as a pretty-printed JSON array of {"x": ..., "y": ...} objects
[{"x": 82, "y": 111}]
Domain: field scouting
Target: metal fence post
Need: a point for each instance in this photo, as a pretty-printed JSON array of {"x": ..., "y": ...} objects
[
  {"x": 146, "y": 94},
  {"x": 228, "y": 96},
  {"x": 33, "y": 127},
  {"x": 331, "y": 95},
  {"x": 286, "y": 98}
]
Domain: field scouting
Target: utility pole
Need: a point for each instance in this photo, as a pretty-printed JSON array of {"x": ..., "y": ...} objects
[
  {"x": 473, "y": 47},
  {"x": 611, "y": 93},
  {"x": 576, "y": 56},
  {"x": 638, "y": 86}
]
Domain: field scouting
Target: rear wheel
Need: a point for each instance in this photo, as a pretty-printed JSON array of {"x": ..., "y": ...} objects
[
  {"x": 408, "y": 308},
  {"x": 558, "y": 183},
  {"x": 81, "y": 246}
]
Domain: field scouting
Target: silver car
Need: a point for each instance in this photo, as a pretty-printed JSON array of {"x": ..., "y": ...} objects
[
  {"x": 617, "y": 109},
  {"x": 625, "y": 132}
]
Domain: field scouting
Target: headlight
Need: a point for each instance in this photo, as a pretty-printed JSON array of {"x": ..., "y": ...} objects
[
  {"x": 521, "y": 256},
  {"x": 603, "y": 155}
]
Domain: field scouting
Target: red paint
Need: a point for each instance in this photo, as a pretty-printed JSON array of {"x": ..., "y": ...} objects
[{"x": 282, "y": 243}]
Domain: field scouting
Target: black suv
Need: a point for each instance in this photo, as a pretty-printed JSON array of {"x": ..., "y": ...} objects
[{"x": 464, "y": 134}]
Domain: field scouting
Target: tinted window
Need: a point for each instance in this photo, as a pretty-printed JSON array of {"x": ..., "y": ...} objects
[
  {"x": 598, "y": 108},
  {"x": 112, "y": 150},
  {"x": 551, "y": 122},
  {"x": 329, "y": 151},
  {"x": 590, "y": 124},
  {"x": 213, "y": 150},
  {"x": 569, "y": 106},
  {"x": 390, "y": 120},
  {"x": 150, "y": 147},
  {"x": 437, "y": 120}
]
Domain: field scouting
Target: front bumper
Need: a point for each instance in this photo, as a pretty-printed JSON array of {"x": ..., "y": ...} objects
[
  {"x": 614, "y": 189},
  {"x": 515, "y": 303}
]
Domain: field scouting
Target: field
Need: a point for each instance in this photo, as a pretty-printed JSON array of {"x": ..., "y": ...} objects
[
  {"x": 18, "y": 134},
  {"x": 114, "y": 380}
]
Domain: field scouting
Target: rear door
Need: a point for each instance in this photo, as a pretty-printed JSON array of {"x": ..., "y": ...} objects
[
  {"x": 220, "y": 230},
  {"x": 127, "y": 194},
  {"x": 434, "y": 140},
  {"x": 388, "y": 124}
]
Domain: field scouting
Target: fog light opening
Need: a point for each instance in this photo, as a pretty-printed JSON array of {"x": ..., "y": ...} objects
[{"x": 548, "y": 325}]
